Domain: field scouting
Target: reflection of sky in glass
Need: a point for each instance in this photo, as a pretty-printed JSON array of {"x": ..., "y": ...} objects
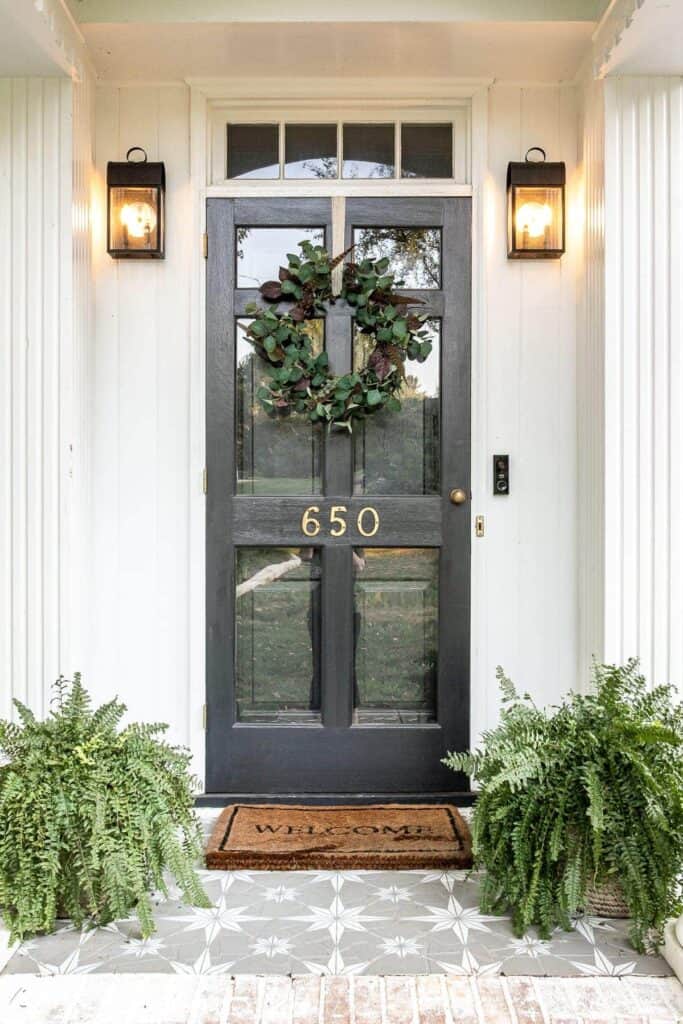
[
  {"x": 427, "y": 374},
  {"x": 414, "y": 253},
  {"x": 261, "y": 251},
  {"x": 423, "y": 378},
  {"x": 271, "y": 171}
]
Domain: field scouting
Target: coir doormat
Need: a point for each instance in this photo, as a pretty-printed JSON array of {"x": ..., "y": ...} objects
[{"x": 286, "y": 837}]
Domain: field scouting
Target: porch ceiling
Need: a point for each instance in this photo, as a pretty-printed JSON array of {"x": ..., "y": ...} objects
[
  {"x": 512, "y": 50},
  {"x": 650, "y": 42}
]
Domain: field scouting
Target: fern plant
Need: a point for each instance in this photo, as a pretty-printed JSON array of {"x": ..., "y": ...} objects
[
  {"x": 90, "y": 816},
  {"x": 585, "y": 794}
]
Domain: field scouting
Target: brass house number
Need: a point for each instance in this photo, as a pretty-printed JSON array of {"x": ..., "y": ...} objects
[{"x": 367, "y": 521}]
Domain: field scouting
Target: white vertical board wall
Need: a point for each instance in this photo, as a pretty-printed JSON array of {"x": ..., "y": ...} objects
[
  {"x": 139, "y": 514},
  {"x": 76, "y": 410},
  {"x": 525, "y": 618},
  {"x": 37, "y": 391},
  {"x": 644, "y": 374},
  {"x": 142, "y": 477},
  {"x": 591, "y": 382}
]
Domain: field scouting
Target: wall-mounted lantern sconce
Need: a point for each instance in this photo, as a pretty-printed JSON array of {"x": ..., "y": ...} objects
[
  {"x": 135, "y": 208},
  {"x": 536, "y": 208}
]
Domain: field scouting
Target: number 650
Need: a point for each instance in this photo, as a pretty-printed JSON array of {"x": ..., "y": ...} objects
[{"x": 311, "y": 526}]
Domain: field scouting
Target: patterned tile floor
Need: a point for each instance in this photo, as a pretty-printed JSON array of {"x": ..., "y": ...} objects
[{"x": 354, "y": 922}]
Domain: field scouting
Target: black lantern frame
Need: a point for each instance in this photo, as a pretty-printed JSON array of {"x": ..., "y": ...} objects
[
  {"x": 538, "y": 184},
  {"x": 135, "y": 208}
]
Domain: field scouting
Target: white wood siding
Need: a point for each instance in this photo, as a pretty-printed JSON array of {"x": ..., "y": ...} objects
[
  {"x": 525, "y": 569},
  {"x": 77, "y": 411},
  {"x": 644, "y": 374},
  {"x": 36, "y": 386},
  {"x": 140, "y": 611},
  {"x": 138, "y": 624},
  {"x": 591, "y": 382}
]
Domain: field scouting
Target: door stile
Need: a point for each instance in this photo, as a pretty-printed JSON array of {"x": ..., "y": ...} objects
[
  {"x": 220, "y": 461},
  {"x": 453, "y": 696}
]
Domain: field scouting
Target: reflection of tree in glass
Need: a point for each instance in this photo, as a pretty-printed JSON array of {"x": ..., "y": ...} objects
[
  {"x": 414, "y": 253},
  {"x": 364, "y": 169},
  {"x": 320, "y": 167},
  {"x": 242, "y": 235}
]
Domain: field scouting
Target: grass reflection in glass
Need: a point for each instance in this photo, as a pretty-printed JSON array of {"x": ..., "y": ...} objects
[
  {"x": 396, "y": 622},
  {"x": 277, "y": 634}
]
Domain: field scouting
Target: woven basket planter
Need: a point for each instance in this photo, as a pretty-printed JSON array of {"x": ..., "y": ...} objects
[{"x": 606, "y": 900}]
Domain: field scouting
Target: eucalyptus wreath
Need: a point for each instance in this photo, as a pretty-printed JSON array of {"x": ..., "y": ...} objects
[{"x": 298, "y": 379}]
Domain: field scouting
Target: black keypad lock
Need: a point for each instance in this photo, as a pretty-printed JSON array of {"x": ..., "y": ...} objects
[{"x": 501, "y": 474}]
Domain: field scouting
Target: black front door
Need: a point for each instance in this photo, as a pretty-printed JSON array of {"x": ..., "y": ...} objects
[{"x": 338, "y": 569}]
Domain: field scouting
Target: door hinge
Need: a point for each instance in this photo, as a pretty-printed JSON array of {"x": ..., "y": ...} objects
[
  {"x": 205, "y": 246},
  {"x": 204, "y": 716},
  {"x": 205, "y": 481},
  {"x": 479, "y": 526}
]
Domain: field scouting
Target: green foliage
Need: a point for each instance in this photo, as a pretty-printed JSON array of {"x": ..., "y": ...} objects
[
  {"x": 90, "y": 816},
  {"x": 302, "y": 382},
  {"x": 589, "y": 793}
]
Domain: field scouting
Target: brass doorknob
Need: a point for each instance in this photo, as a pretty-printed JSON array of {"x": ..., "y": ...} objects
[{"x": 458, "y": 496}]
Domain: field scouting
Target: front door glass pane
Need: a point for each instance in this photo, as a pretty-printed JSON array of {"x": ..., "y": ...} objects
[
  {"x": 414, "y": 253},
  {"x": 395, "y": 625},
  {"x": 274, "y": 455},
  {"x": 399, "y": 452},
  {"x": 261, "y": 251},
  {"x": 277, "y": 635}
]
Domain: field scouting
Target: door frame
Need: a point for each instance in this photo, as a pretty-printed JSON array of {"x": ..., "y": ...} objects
[{"x": 335, "y": 96}]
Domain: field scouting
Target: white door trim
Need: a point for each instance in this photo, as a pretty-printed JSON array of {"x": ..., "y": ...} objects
[{"x": 338, "y": 95}]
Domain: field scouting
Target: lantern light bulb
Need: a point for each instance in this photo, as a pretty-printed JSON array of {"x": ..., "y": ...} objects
[
  {"x": 139, "y": 218},
  {"x": 534, "y": 218}
]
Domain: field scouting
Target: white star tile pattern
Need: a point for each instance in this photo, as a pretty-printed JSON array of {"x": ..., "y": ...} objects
[{"x": 335, "y": 923}]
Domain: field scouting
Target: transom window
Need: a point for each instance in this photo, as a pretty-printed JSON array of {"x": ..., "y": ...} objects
[{"x": 346, "y": 150}]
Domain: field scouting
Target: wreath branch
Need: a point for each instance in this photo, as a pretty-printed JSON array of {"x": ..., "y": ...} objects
[{"x": 300, "y": 381}]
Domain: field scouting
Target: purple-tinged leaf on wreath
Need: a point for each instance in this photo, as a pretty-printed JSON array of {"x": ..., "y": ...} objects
[
  {"x": 303, "y": 384},
  {"x": 380, "y": 363},
  {"x": 271, "y": 290},
  {"x": 284, "y": 274},
  {"x": 298, "y": 312}
]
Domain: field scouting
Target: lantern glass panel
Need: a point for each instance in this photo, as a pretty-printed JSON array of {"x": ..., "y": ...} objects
[
  {"x": 536, "y": 216},
  {"x": 134, "y": 219}
]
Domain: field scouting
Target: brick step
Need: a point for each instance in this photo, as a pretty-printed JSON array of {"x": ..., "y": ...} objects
[{"x": 308, "y": 999}]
